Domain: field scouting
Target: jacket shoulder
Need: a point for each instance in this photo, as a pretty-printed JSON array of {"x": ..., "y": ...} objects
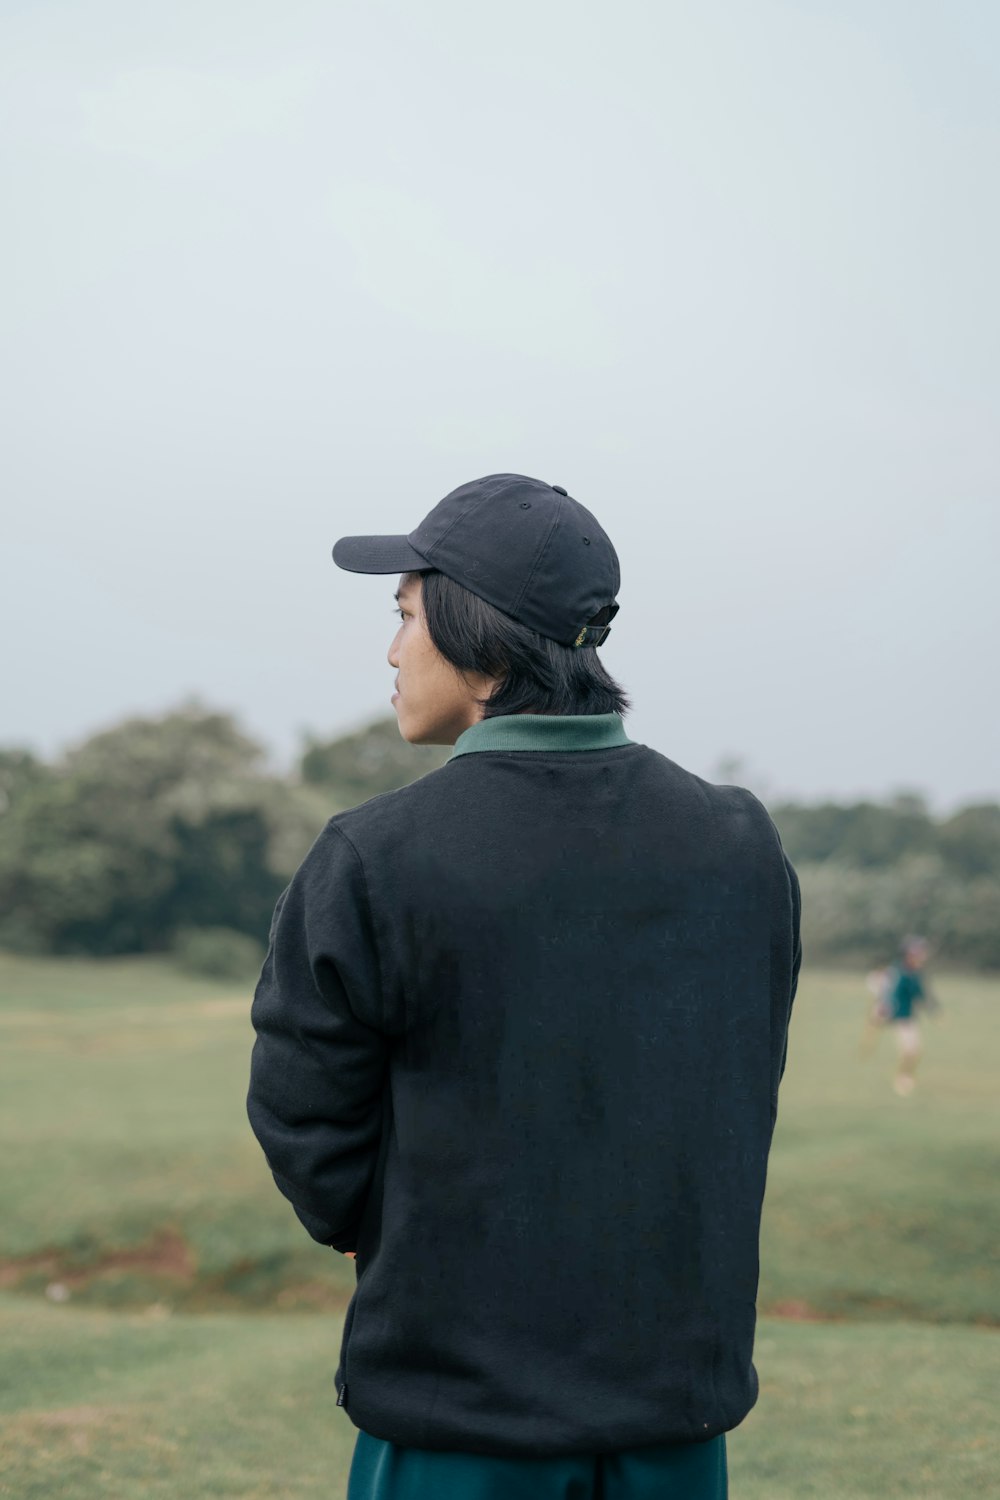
[
  {"x": 390, "y": 810},
  {"x": 737, "y": 805}
]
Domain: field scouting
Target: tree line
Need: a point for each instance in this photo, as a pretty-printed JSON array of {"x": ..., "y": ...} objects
[{"x": 170, "y": 833}]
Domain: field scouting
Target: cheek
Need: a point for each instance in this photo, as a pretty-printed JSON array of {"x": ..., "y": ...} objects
[
  {"x": 413, "y": 653},
  {"x": 426, "y": 673}
]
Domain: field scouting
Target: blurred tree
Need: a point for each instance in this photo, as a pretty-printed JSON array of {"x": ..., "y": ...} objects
[
  {"x": 146, "y": 827},
  {"x": 909, "y": 800},
  {"x": 372, "y": 760},
  {"x": 810, "y": 833},
  {"x": 879, "y": 836},
  {"x": 970, "y": 841},
  {"x": 217, "y": 952},
  {"x": 858, "y": 915},
  {"x": 160, "y": 827},
  {"x": 860, "y": 833},
  {"x": 19, "y": 770}
]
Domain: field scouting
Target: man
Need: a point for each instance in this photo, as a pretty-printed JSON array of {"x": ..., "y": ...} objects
[{"x": 520, "y": 1031}]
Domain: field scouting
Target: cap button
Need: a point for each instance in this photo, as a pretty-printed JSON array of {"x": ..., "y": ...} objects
[{"x": 560, "y": 491}]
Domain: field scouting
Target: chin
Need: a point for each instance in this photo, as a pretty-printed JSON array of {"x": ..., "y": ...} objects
[
  {"x": 411, "y": 730},
  {"x": 422, "y": 733}
]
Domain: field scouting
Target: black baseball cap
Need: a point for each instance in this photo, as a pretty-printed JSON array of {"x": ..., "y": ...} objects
[{"x": 524, "y": 546}]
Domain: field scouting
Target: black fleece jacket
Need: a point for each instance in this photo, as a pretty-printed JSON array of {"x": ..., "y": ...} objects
[{"x": 520, "y": 1031}]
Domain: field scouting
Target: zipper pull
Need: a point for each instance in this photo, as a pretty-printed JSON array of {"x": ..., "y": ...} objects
[{"x": 342, "y": 1398}]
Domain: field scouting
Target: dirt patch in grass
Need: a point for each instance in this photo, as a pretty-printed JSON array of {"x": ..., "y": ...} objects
[
  {"x": 860, "y": 1309},
  {"x": 164, "y": 1255},
  {"x": 798, "y": 1312},
  {"x": 163, "y": 1272}
]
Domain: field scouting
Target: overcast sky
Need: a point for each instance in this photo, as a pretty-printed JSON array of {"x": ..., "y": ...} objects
[{"x": 273, "y": 274}]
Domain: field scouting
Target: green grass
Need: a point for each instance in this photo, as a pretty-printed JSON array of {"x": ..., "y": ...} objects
[
  {"x": 194, "y": 1354},
  {"x": 879, "y": 1206},
  {"x": 122, "y": 1118},
  {"x": 123, "y": 1123},
  {"x": 111, "y": 1406}
]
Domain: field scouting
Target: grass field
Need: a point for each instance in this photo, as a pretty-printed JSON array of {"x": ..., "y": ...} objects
[{"x": 167, "y": 1328}]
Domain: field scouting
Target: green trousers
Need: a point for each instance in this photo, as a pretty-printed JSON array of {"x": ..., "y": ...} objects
[{"x": 690, "y": 1471}]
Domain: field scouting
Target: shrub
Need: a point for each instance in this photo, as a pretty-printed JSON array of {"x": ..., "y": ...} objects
[
  {"x": 862, "y": 913},
  {"x": 217, "y": 952}
]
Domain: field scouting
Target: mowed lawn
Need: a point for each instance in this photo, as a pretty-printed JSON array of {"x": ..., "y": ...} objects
[
  {"x": 101, "y": 1405},
  {"x": 168, "y": 1329}
]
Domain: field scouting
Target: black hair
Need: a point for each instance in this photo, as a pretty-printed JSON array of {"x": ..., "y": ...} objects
[{"x": 538, "y": 674}]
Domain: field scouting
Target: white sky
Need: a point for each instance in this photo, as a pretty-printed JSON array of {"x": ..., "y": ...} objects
[{"x": 274, "y": 274}]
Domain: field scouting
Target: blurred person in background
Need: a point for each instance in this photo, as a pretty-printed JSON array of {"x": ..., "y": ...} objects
[
  {"x": 904, "y": 995},
  {"x": 520, "y": 1031},
  {"x": 878, "y": 1011}
]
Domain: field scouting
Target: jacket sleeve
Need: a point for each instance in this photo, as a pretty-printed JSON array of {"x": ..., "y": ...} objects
[{"x": 318, "y": 1064}]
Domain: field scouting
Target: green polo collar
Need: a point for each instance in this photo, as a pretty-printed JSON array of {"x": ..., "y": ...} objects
[{"x": 543, "y": 732}]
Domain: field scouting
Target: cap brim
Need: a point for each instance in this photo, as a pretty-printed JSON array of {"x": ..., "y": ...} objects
[{"x": 377, "y": 554}]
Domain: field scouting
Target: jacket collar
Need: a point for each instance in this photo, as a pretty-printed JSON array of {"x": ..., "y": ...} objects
[{"x": 543, "y": 732}]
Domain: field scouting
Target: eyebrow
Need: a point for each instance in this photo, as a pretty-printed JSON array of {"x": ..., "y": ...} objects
[{"x": 400, "y": 592}]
